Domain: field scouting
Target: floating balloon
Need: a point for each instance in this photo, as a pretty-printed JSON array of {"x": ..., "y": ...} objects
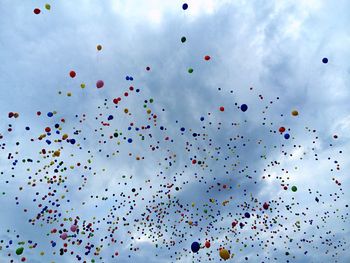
[
  {"x": 325, "y": 60},
  {"x": 207, "y": 58},
  {"x": 195, "y": 247},
  {"x": 19, "y": 251},
  {"x": 47, "y": 6},
  {"x": 244, "y": 107},
  {"x": 295, "y": 113},
  {"x": 73, "y": 228},
  {"x": 99, "y": 84},
  {"x": 294, "y": 188},
  {"x": 207, "y": 244},
  {"x": 184, "y": 6},
  {"x": 72, "y": 74},
  {"x": 37, "y": 11},
  {"x": 190, "y": 70},
  {"x": 183, "y": 39},
  {"x": 224, "y": 254}
]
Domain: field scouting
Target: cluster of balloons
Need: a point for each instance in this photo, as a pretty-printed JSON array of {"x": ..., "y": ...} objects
[{"x": 200, "y": 175}]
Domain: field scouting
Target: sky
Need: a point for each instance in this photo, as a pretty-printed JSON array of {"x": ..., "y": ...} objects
[{"x": 177, "y": 162}]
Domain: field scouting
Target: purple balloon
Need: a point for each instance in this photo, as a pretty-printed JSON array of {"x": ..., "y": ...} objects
[{"x": 99, "y": 84}]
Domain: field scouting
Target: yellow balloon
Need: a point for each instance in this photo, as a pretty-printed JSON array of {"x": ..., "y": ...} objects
[
  {"x": 224, "y": 254},
  {"x": 295, "y": 113},
  {"x": 47, "y": 6}
]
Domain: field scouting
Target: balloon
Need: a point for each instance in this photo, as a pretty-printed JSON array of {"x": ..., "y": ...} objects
[
  {"x": 47, "y": 6},
  {"x": 19, "y": 250},
  {"x": 64, "y": 236},
  {"x": 37, "y": 11},
  {"x": 99, "y": 47},
  {"x": 207, "y": 244},
  {"x": 266, "y": 206},
  {"x": 183, "y": 39},
  {"x": 72, "y": 74},
  {"x": 294, "y": 188},
  {"x": 244, "y": 107},
  {"x": 195, "y": 247},
  {"x": 286, "y": 136},
  {"x": 325, "y": 60},
  {"x": 73, "y": 228},
  {"x": 224, "y": 254},
  {"x": 246, "y": 215},
  {"x": 190, "y": 70},
  {"x": 295, "y": 113},
  {"x": 148, "y": 68},
  {"x": 82, "y": 85},
  {"x": 282, "y": 129},
  {"x": 222, "y": 108},
  {"x": 207, "y": 58},
  {"x": 99, "y": 84},
  {"x": 184, "y": 6}
]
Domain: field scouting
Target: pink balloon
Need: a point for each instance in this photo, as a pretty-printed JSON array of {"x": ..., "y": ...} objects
[
  {"x": 99, "y": 84},
  {"x": 73, "y": 228},
  {"x": 64, "y": 236}
]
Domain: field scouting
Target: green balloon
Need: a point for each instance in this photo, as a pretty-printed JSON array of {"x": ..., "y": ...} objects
[
  {"x": 190, "y": 70},
  {"x": 183, "y": 39},
  {"x": 294, "y": 188},
  {"x": 19, "y": 250}
]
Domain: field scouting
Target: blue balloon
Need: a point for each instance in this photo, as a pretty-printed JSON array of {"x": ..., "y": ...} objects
[
  {"x": 286, "y": 136},
  {"x": 325, "y": 60},
  {"x": 195, "y": 247},
  {"x": 246, "y": 215},
  {"x": 244, "y": 107},
  {"x": 184, "y": 6}
]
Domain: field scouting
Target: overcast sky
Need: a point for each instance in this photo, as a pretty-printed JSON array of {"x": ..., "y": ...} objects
[{"x": 265, "y": 54}]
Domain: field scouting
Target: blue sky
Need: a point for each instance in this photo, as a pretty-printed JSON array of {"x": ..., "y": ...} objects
[{"x": 267, "y": 55}]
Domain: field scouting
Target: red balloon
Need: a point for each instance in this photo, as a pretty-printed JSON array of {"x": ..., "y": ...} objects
[
  {"x": 207, "y": 57},
  {"x": 207, "y": 244},
  {"x": 282, "y": 129},
  {"x": 266, "y": 206},
  {"x": 37, "y": 11},
  {"x": 72, "y": 74},
  {"x": 222, "y": 108}
]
